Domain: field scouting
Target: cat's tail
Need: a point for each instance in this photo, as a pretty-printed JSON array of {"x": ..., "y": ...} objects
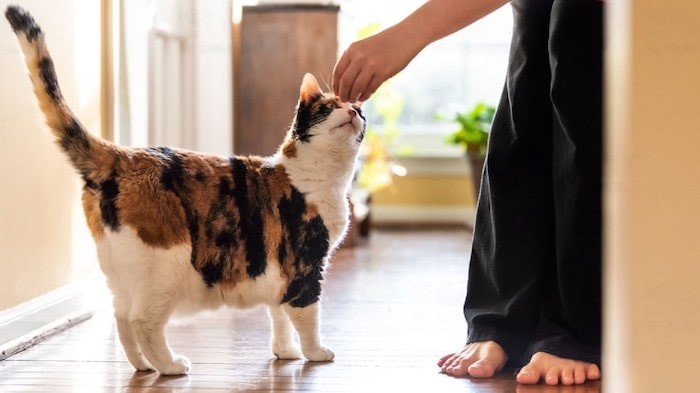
[{"x": 80, "y": 146}]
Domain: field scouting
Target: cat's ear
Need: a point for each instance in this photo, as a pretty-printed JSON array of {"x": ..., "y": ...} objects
[{"x": 309, "y": 89}]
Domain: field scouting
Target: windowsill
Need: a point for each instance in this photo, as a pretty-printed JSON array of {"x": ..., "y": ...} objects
[{"x": 430, "y": 155}]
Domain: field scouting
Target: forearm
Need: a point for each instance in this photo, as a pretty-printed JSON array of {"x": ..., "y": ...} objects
[
  {"x": 367, "y": 63},
  {"x": 439, "y": 18}
]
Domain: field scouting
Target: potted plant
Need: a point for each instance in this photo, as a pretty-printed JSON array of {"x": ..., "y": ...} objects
[{"x": 473, "y": 135}]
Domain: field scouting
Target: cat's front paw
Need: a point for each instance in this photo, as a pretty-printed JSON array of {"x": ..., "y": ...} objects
[
  {"x": 322, "y": 354},
  {"x": 139, "y": 362},
  {"x": 181, "y": 365}
]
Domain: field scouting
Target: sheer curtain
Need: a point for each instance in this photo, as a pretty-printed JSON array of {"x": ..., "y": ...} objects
[{"x": 172, "y": 73}]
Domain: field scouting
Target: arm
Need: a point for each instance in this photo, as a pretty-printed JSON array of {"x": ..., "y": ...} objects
[{"x": 366, "y": 64}]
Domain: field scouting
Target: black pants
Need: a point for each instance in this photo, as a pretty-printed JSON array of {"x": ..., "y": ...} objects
[{"x": 535, "y": 270}]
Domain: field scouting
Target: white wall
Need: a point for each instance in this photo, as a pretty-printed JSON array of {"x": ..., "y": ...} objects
[
  {"x": 652, "y": 285},
  {"x": 44, "y": 243}
]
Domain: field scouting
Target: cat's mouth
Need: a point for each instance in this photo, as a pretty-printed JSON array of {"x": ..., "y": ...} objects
[
  {"x": 348, "y": 123},
  {"x": 357, "y": 128},
  {"x": 353, "y": 122}
]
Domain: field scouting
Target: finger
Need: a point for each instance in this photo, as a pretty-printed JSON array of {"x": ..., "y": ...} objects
[
  {"x": 359, "y": 87},
  {"x": 371, "y": 88},
  {"x": 338, "y": 71},
  {"x": 347, "y": 81}
]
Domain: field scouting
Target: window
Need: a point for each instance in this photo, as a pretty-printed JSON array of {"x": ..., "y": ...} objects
[{"x": 449, "y": 75}]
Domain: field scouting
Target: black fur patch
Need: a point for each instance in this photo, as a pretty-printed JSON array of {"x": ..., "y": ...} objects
[
  {"x": 302, "y": 123},
  {"x": 48, "y": 76},
  {"x": 309, "y": 114},
  {"x": 173, "y": 175},
  {"x": 211, "y": 272},
  {"x": 22, "y": 21},
  {"x": 304, "y": 290},
  {"x": 245, "y": 194},
  {"x": 89, "y": 183},
  {"x": 109, "y": 191},
  {"x": 74, "y": 137},
  {"x": 173, "y": 179},
  {"x": 221, "y": 231},
  {"x": 309, "y": 242},
  {"x": 200, "y": 177}
]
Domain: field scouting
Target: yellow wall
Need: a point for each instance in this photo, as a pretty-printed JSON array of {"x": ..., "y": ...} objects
[
  {"x": 43, "y": 241},
  {"x": 427, "y": 191},
  {"x": 435, "y": 190},
  {"x": 652, "y": 273}
]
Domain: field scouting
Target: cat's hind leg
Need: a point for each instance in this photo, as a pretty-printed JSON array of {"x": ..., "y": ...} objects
[
  {"x": 126, "y": 337},
  {"x": 147, "y": 320},
  {"x": 282, "y": 341},
  {"x": 131, "y": 347},
  {"x": 306, "y": 321}
]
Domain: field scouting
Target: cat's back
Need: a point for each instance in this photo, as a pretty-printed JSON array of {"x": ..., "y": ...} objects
[{"x": 164, "y": 193}]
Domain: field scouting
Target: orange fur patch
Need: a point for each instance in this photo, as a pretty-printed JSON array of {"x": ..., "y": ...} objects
[
  {"x": 289, "y": 148},
  {"x": 91, "y": 207}
]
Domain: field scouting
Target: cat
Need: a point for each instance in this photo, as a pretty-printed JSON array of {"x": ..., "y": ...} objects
[{"x": 181, "y": 231}]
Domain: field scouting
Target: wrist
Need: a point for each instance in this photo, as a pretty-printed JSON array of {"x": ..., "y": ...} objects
[{"x": 414, "y": 38}]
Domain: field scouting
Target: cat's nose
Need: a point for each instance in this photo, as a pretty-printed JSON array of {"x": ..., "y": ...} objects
[{"x": 352, "y": 113}]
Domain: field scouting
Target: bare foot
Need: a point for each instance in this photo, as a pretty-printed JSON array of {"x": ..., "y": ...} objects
[
  {"x": 478, "y": 360},
  {"x": 554, "y": 370}
]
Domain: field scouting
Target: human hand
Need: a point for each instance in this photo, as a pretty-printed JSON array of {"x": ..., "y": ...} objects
[{"x": 368, "y": 63}]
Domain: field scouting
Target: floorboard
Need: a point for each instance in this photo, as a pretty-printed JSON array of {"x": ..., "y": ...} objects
[{"x": 391, "y": 308}]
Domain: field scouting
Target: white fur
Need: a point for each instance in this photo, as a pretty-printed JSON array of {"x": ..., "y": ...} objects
[
  {"x": 150, "y": 284},
  {"x": 323, "y": 168}
]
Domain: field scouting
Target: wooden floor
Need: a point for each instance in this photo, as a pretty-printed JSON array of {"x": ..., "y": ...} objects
[{"x": 391, "y": 308}]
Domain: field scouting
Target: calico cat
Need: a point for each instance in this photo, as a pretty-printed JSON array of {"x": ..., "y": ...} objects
[{"x": 180, "y": 231}]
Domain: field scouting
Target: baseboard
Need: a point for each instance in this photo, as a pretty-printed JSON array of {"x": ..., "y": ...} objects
[
  {"x": 401, "y": 214},
  {"x": 30, "y": 323}
]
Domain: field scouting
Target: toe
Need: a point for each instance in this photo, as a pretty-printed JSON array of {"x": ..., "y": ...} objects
[
  {"x": 579, "y": 374},
  {"x": 459, "y": 370},
  {"x": 479, "y": 360},
  {"x": 528, "y": 376},
  {"x": 567, "y": 376},
  {"x": 552, "y": 376},
  {"x": 449, "y": 364},
  {"x": 460, "y": 366},
  {"x": 444, "y": 359},
  {"x": 592, "y": 372},
  {"x": 482, "y": 369}
]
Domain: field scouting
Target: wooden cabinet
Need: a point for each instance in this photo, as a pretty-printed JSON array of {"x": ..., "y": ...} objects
[{"x": 274, "y": 46}]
